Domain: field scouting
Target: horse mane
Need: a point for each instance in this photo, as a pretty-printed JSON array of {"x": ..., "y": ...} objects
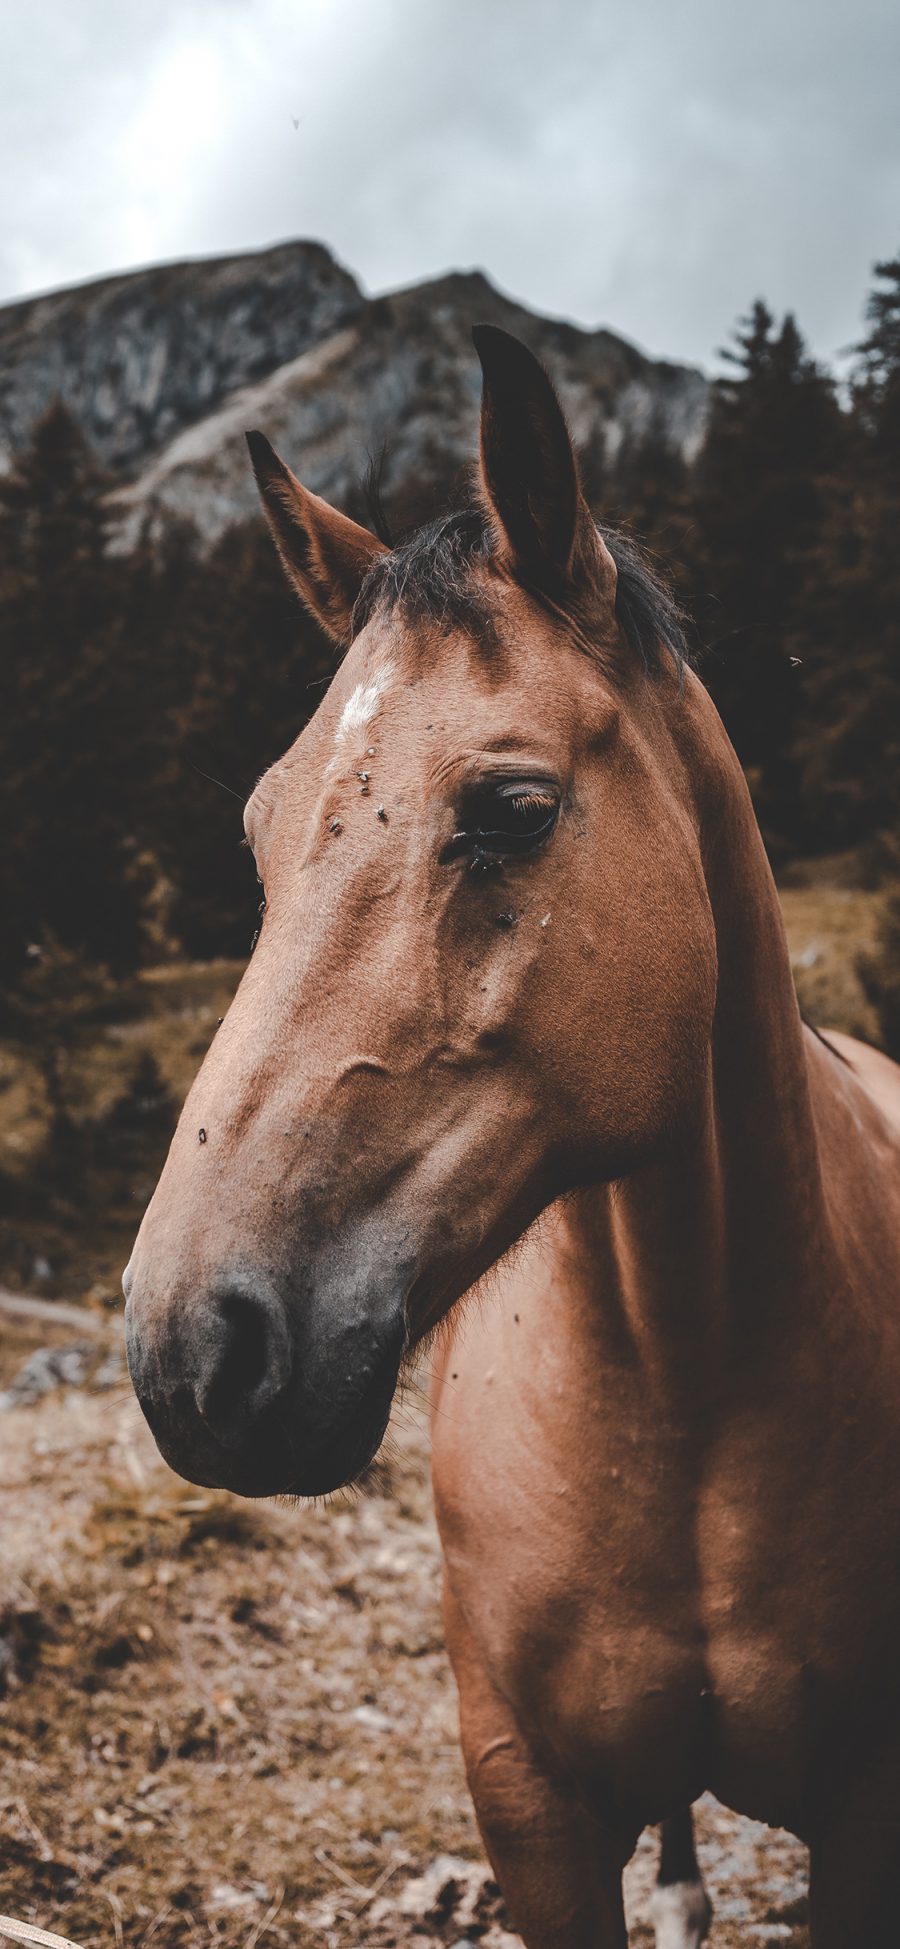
[
  {"x": 432, "y": 575},
  {"x": 823, "y": 1038}
]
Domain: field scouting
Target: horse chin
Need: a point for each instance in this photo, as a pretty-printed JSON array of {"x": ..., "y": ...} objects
[{"x": 271, "y": 1460}]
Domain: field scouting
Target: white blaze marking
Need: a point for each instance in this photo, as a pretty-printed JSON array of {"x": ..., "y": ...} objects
[{"x": 362, "y": 704}]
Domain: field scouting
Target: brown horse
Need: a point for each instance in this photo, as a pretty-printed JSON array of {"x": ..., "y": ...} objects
[{"x": 522, "y": 960}]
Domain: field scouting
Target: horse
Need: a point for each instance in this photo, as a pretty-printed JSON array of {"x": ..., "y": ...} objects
[{"x": 517, "y": 1068}]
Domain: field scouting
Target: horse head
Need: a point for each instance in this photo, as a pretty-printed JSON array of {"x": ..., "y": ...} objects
[{"x": 486, "y": 970}]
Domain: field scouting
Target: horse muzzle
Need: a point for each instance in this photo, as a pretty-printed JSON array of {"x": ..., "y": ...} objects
[{"x": 247, "y": 1392}]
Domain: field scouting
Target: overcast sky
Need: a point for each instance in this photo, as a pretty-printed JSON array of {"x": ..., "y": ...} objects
[{"x": 651, "y": 165}]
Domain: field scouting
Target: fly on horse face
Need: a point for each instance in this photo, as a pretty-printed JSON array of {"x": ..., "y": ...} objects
[{"x": 522, "y": 983}]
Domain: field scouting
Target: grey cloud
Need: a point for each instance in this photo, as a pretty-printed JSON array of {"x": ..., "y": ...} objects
[{"x": 652, "y": 168}]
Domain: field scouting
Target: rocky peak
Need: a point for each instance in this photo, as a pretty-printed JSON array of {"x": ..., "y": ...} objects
[
  {"x": 138, "y": 358},
  {"x": 401, "y": 376},
  {"x": 164, "y": 369}
]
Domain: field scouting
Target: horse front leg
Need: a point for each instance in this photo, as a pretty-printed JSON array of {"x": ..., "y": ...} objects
[
  {"x": 559, "y": 1869},
  {"x": 681, "y": 1910}
]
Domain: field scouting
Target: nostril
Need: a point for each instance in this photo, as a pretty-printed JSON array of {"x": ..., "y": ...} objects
[
  {"x": 244, "y": 1360},
  {"x": 247, "y": 1348}
]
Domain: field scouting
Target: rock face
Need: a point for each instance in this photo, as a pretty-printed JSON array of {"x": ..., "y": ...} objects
[
  {"x": 138, "y": 358},
  {"x": 401, "y": 376},
  {"x": 167, "y": 368}
]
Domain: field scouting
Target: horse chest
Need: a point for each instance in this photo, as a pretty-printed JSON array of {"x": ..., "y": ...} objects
[
  {"x": 643, "y": 1627},
  {"x": 669, "y": 1611},
  {"x": 582, "y": 1598},
  {"x": 601, "y": 1641}
]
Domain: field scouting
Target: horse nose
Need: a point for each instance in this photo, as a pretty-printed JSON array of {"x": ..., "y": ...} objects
[{"x": 241, "y": 1358}]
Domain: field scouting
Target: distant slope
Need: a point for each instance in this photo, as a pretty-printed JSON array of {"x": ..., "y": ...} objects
[
  {"x": 139, "y": 357},
  {"x": 401, "y": 373}
]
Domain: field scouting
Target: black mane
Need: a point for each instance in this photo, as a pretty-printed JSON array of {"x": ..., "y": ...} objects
[
  {"x": 650, "y": 615},
  {"x": 432, "y": 575}
]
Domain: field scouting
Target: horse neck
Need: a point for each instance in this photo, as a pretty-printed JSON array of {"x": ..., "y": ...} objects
[{"x": 716, "y": 1248}]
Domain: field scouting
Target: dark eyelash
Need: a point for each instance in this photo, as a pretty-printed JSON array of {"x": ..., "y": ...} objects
[{"x": 532, "y": 801}]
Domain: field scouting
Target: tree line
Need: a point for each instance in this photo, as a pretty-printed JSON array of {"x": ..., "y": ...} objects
[{"x": 141, "y": 695}]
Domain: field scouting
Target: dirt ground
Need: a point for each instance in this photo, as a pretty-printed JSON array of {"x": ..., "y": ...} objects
[{"x": 225, "y": 1721}]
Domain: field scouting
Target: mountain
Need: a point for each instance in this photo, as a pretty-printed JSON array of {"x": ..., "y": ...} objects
[
  {"x": 166, "y": 368},
  {"x": 139, "y": 357},
  {"x": 401, "y": 376}
]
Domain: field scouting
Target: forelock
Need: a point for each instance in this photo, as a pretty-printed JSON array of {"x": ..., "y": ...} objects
[
  {"x": 434, "y": 576},
  {"x": 438, "y": 575}
]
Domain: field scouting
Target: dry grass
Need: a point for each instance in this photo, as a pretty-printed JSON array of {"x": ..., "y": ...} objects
[
  {"x": 831, "y": 921},
  {"x": 169, "y": 1013},
  {"x": 85, "y": 1229}
]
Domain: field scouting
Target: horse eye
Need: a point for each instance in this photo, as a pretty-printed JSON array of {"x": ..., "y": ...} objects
[{"x": 500, "y": 821}]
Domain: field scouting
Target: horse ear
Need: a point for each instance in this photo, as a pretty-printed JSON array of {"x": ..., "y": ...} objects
[
  {"x": 325, "y": 555},
  {"x": 529, "y": 472}
]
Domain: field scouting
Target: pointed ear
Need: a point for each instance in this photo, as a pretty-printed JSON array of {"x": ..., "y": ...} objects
[
  {"x": 529, "y": 473},
  {"x": 325, "y": 555}
]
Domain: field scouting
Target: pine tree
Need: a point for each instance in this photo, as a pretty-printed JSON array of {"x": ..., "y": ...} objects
[
  {"x": 849, "y": 743},
  {"x": 68, "y": 718},
  {"x": 877, "y": 378},
  {"x": 775, "y": 434},
  {"x": 253, "y": 667},
  {"x": 651, "y": 494}
]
